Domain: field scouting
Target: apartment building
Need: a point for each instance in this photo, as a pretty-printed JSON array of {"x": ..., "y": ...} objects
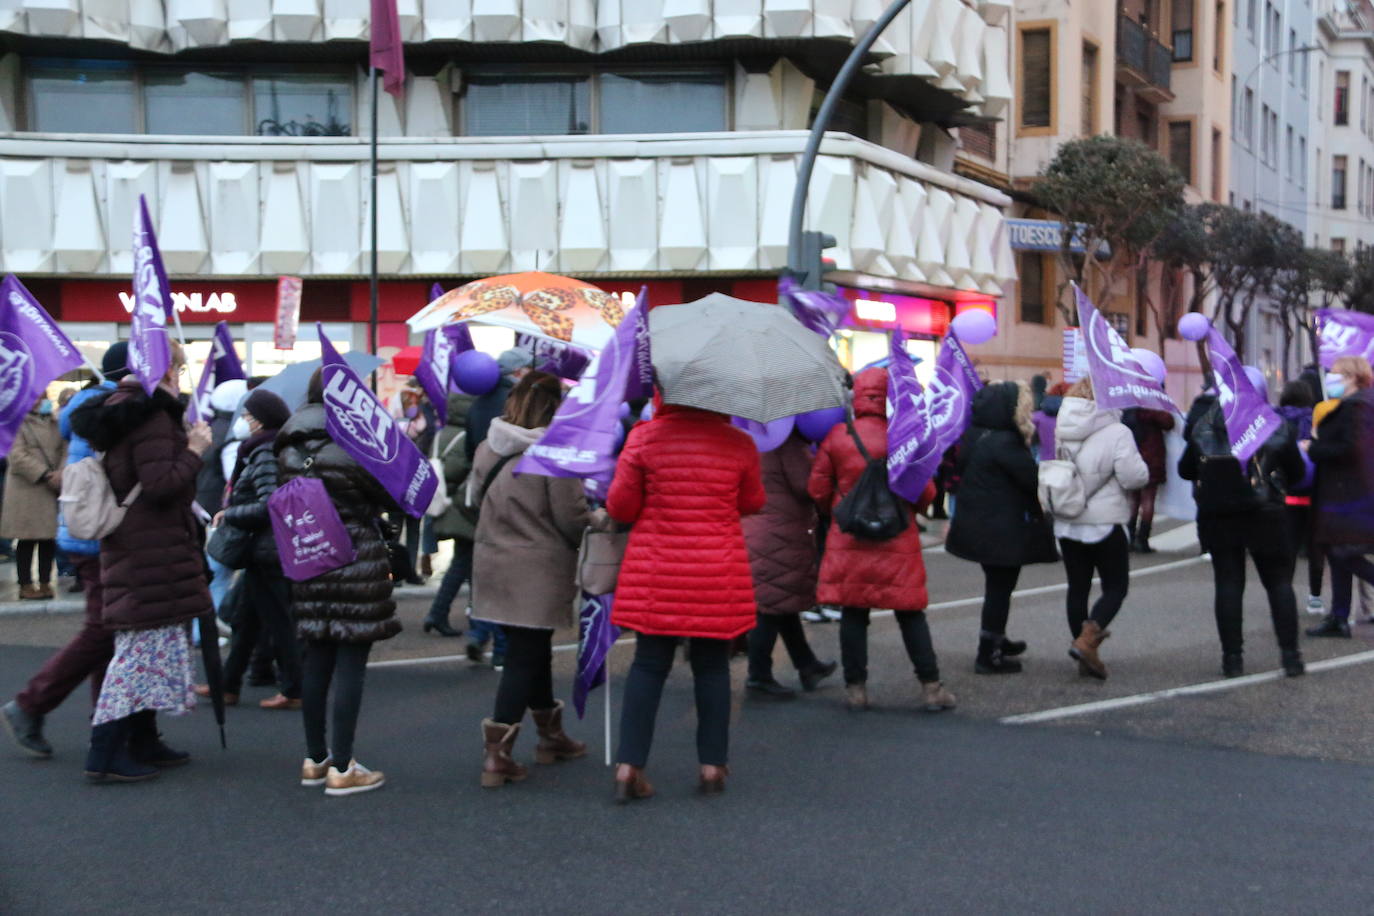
[{"x": 1341, "y": 189}]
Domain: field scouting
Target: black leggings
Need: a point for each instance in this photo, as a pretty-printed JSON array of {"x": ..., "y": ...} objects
[
  {"x": 527, "y": 679},
  {"x": 710, "y": 660},
  {"x": 1302, "y": 530},
  {"x": 1110, "y": 559},
  {"x": 915, "y": 636},
  {"x": 344, "y": 664},
  {"x": 764, "y": 636},
  {"x": 23, "y": 560},
  {"x": 1274, "y": 563},
  {"x": 998, "y": 584}
]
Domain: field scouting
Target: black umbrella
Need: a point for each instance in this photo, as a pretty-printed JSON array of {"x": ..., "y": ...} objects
[{"x": 214, "y": 670}]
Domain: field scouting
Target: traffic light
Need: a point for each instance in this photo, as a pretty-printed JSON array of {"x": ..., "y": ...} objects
[{"x": 814, "y": 264}]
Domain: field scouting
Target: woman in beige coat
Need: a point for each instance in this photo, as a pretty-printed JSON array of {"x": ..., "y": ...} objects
[
  {"x": 524, "y": 575},
  {"x": 31, "y": 487}
]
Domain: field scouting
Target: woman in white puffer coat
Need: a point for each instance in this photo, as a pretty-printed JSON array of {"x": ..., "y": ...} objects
[{"x": 1109, "y": 464}]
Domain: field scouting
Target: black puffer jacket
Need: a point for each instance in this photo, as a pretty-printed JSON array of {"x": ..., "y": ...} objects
[
  {"x": 247, "y": 507},
  {"x": 998, "y": 520},
  {"x": 352, "y": 603},
  {"x": 1220, "y": 487}
]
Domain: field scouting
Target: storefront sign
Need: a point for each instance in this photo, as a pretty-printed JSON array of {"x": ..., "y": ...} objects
[
  {"x": 224, "y": 303},
  {"x": 884, "y": 311},
  {"x": 1047, "y": 235}
]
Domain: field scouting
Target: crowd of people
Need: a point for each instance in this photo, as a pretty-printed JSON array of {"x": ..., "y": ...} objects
[{"x": 725, "y": 547}]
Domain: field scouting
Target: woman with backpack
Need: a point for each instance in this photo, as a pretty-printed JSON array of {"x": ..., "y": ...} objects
[
  {"x": 1000, "y": 524},
  {"x": 860, "y": 574},
  {"x": 1107, "y": 467},
  {"x": 525, "y": 575},
  {"x": 340, "y": 613}
]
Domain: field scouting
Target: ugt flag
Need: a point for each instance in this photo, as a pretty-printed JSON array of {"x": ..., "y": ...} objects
[
  {"x": 913, "y": 446},
  {"x": 949, "y": 399},
  {"x": 819, "y": 311},
  {"x": 596, "y": 635},
  {"x": 222, "y": 366},
  {"x": 1344, "y": 333},
  {"x": 149, "y": 351},
  {"x": 385, "y": 51},
  {"x": 585, "y": 433},
  {"x": 436, "y": 362},
  {"x": 1119, "y": 380},
  {"x": 33, "y": 352},
  {"x": 1250, "y": 421},
  {"x": 358, "y": 422}
]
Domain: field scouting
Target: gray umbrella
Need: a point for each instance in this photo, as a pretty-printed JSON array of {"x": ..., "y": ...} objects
[
  {"x": 291, "y": 383},
  {"x": 746, "y": 359}
]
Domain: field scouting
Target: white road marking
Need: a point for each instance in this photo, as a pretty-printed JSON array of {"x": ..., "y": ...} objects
[{"x": 1140, "y": 699}]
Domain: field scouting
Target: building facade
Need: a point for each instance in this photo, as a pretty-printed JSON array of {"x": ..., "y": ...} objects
[
  {"x": 627, "y": 142},
  {"x": 1342, "y": 190}
]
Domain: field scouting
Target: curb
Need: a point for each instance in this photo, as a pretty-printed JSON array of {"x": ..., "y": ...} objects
[{"x": 78, "y": 605}]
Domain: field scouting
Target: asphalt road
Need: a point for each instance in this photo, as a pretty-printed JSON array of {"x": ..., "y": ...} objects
[{"x": 1254, "y": 799}]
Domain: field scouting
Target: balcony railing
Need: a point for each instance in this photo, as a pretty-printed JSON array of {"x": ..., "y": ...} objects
[{"x": 1141, "y": 57}]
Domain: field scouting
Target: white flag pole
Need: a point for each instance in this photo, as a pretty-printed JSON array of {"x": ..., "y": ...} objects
[{"x": 607, "y": 685}]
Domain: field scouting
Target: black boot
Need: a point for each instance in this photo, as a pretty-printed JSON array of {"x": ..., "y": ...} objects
[
  {"x": 26, "y": 730},
  {"x": 1292, "y": 663},
  {"x": 441, "y": 627},
  {"x": 991, "y": 659},
  {"x": 145, "y": 744},
  {"x": 1232, "y": 664},
  {"x": 1013, "y": 647},
  {"x": 1142, "y": 539},
  {"x": 108, "y": 759},
  {"x": 1331, "y": 626},
  {"x": 812, "y": 676}
]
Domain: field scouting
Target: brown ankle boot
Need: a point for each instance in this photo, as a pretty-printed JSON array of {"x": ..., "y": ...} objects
[
  {"x": 631, "y": 785},
  {"x": 499, "y": 768},
  {"x": 1084, "y": 649},
  {"x": 713, "y": 779},
  {"x": 554, "y": 743}
]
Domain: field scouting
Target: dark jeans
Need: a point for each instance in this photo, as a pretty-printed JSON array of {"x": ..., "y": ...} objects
[
  {"x": 1264, "y": 536},
  {"x": 764, "y": 636},
  {"x": 915, "y": 636},
  {"x": 710, "y": 661},
  {"x": 412, "y": 538},
  {"x": 1111, "y": 560},
  {"x": 344, "y": 664},
  {"x": 1345, "y": 566},
  {"x": 527, "y": 680},
  {"x": 267, "y": 609},
  {"x": 1302, "y": 528},
  {"x": 23, "y": 560},
  {"x": 86, "y": 656},
  {"x": 457, "y": 573},
  {"x": 998, "y": 584},
  {"x": 480, "y": 632}
]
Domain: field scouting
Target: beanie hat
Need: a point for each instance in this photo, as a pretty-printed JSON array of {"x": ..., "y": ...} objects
[
  {"x": 267, "y": 408},
  {"x": 114, "y": 365},
  {"x": 513, "y": 360}
]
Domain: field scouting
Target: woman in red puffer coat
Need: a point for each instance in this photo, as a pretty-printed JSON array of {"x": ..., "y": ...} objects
[
  {"x": 861, "y": 575},
  {"x": 683, "y": 481}
]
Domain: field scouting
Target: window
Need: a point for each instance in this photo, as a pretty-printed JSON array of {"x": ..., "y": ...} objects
[
  {"x": 1183, "y": 30},
  {"x": 1364, "y": 105},
  {"x": 1338, "y": 246},
  {"x": 653, "y": 102},
  {"x": 83, "y": 96},
  {"x": 1032, "y": 273},
  {"x": 1274, "y": 139},
  {"x": 1219, "y": 38},
  {"x": 1288, "y": 152},
  {"x": 188, "y": 102},
  {"x": 1248, "y": 118},
  {"x": 1264, "y": 134},
  {"x": 1216, "y": 165},
  {"x": 980, "y": 139},
  {"x": 1338, "y": 166},
  {"x": 1302, "y": 162},
  {"x": 507, "y": 104},
  {"x": 1235, "y": 106},
  {"x": 1181, "y": 148},
  {"x": 1250, "y": 18},
  {"x": 1342, "y": 106},
  {"x": 1089, "y": 125},
  {"x": 1037, "y": 79},
  {"x": 300, "y": 105},
  {"x": 1292, "y": 56}
]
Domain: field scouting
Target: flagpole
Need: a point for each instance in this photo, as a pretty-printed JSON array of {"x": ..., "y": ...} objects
[
  {"x": 372, "y": 313},
  {"x": 91, "y": 366},
  {"x": 607, "y": 685}
]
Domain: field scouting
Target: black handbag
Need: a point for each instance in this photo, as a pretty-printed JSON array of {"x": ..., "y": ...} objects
[
  {"x": 871, "y": 511},
  {"x": 231, "y": 545}
]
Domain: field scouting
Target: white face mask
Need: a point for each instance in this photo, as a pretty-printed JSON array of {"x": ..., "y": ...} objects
[{"x": 240, "y": 428}]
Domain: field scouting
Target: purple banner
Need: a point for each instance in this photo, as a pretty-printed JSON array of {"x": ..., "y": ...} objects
[
  {"x": 913, "y": 446},
  {"x": 358, "y": 422},
  {"x": 1250, "y": 421},
  {"x": 436, "y": 362},
  {"x": 311, "y": 537},
  {"x": 222, "y": 366},
  {"x": 1342, "y": 333},
  {"x": 596, "y": 635},
  {"x": 33, "y": 352},
  {"x": 821, "y": 312},
  {"x": 149, "y": 351},
  {"x": 586, "y": 432},
  {"x": 555, "y": 357},
  {"x": 949, "y": 398},
  {"x": 1119, "y": 380}
]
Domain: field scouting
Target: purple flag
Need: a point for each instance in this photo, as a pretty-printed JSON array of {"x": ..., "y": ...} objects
[
  {"x": 358, "y": 422},
  {"x": 555, "y": 357},
  {"x": 596, "y": 635},
  {"x": 386, "y": 53},
  {"x": 436, "y": 363},
  {"x": 435, "y": 292},
  {"x": 1343, "y": 333},
  {"x": 585, "y": 433},
  {"x": 149, "y": 351},
  {"x": 1250, "y": 421},
  {"x": 822, "y": 312},
  {"x": 949, "y": 399},
  {"x": 33, "y": 352},
  {"x": 913, "y": 446},
  {"x": 222, "y": 366},
  {"x": 1119, "y": 380}
]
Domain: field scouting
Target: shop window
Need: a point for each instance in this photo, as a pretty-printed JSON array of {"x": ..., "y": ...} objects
[
  {"x": 511, "y": 105},
  {"x": 190, "y": 102},
  {"x": 1183, "y": 30},
  {"x": 1181, "y": 148},
  {"x": 671, "y": 102},
  {"x": 1032, "y": 274},
  {"x": 83, "y": 96},
  {"x": 1037, "y": 79}
]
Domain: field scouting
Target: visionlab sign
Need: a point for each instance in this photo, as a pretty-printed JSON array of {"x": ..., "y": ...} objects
[{"x": 1046, "y": 235}]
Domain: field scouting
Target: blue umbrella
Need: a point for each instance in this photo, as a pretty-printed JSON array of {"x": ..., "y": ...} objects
[{"x": 291, "y": 383}]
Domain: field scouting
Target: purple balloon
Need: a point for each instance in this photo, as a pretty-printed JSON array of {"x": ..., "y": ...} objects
[
  {"x": 817, "y": 424},
  {"x": 1256, "y": 377},
  {"x": 475, "y": 372},
  {"x": 974, "y": 326},
  {"x": 1193, "y": 326},
  {"x": 624, "y": 411},
  {"x": 647, "y": 413},
  {"x": 1150, "y": 361},
  {"x": 767, "y": 436}
]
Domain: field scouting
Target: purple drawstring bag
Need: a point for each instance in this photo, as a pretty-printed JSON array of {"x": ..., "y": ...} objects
[{"x": 311, "y": 537}]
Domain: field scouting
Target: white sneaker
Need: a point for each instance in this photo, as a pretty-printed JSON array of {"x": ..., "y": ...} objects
[
  {"x": 831, "y": 613},
  {"x": 813, "y": 616},
  {"x": 1315, "y": 605}
]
